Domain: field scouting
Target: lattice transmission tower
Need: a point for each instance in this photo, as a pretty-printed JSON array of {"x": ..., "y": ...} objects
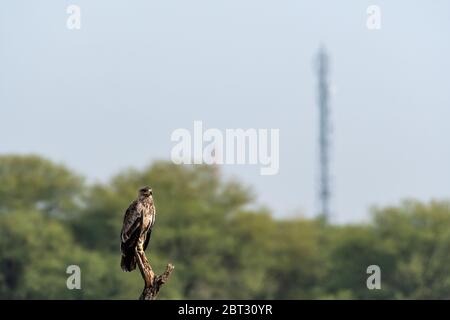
[{"x": 324, "y": 192}]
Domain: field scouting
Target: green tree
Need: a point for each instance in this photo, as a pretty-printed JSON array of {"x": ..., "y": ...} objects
[
  {"x": 193, "y": 207},
  {"x": 297, "y": 264},
  {"x": 418, "y": 237},
  {"x": 351, "y": 249},
  {"x": 33, "y": 183},
  {"x": 222, "y": 244}
]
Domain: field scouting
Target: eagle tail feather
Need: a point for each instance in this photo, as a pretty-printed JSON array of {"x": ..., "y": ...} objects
[{"x": 128, "y": 262}]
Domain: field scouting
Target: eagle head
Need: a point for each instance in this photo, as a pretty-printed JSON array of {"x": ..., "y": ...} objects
[{"x": 145, "y": 192}]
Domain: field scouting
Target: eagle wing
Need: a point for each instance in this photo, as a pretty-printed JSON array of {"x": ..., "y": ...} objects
[
  {"x": 131, "y": 226},
  {"x": 149, "y": 231},
  {"x": 129, "y": 236}
]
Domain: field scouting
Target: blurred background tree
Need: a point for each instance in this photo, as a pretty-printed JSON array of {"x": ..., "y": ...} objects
[
  {"x": 222, "y": 244},
  {"x": 34, "y": 183}
]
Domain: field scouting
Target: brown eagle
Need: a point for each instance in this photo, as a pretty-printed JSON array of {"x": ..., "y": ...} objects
[{"x": 137, "y": 228}]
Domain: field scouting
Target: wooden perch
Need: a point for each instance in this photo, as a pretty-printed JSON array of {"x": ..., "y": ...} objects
[{"x": 152, "y": 283}]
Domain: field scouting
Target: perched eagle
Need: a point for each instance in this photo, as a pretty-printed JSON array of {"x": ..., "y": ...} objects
[{"x": 137, "y": 228}]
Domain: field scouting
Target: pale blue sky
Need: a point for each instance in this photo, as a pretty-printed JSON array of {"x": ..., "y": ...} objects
[{"x": 145, "y": 68}]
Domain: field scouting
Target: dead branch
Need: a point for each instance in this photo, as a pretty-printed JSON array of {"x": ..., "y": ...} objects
[{"x": 152, "y": 283}]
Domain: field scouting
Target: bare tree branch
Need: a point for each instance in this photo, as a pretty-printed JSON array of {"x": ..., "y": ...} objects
[{"x": 152, "y": 283}]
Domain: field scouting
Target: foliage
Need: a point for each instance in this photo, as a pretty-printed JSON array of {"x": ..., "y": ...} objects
[{"x": 223, "y": 246}]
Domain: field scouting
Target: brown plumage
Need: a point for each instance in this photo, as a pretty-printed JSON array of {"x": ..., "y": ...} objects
[{"x": 137, "y": 228}]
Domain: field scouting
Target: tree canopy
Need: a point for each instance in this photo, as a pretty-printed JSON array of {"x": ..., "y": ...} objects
[{"x": 222, "y": 243}]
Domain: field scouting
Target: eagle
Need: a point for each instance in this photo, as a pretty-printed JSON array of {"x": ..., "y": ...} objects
[{"x": 137, "y": 227}]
